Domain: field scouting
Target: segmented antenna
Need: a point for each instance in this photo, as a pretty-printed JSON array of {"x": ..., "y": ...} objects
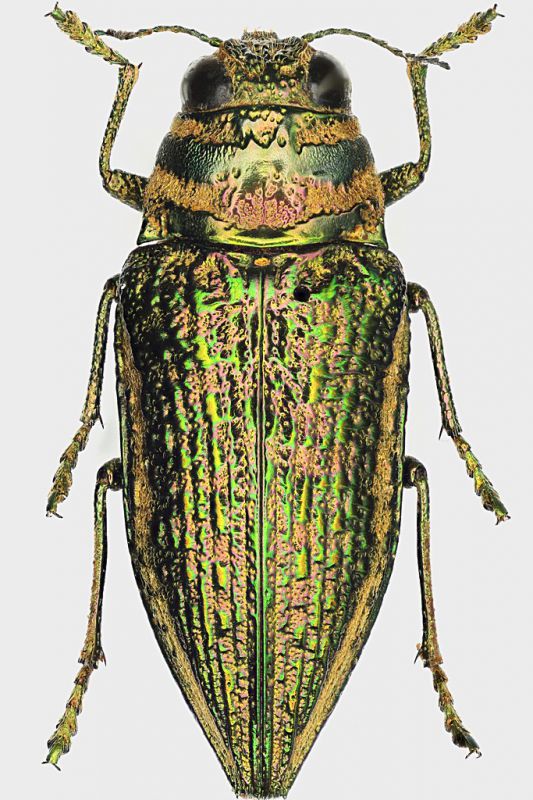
[
  {"x": 212, "y": 40},
  {"x": 425, "y": 59},
  {"x": 478, "y": 24}
]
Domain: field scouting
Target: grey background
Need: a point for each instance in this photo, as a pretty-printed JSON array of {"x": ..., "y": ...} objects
[{"x": 463, "y": 235}]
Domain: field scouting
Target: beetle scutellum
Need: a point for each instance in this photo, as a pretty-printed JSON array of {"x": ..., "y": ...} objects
[{"x": 262, "y": 346}]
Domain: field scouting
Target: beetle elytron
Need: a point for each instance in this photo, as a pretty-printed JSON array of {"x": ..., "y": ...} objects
[{"x": 262, "y": 347}]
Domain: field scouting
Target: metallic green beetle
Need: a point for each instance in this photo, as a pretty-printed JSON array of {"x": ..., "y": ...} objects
[{"x": 262, "y": 348}]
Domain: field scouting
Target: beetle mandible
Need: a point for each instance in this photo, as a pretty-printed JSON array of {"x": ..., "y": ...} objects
[{"x": 262, "y": 354}]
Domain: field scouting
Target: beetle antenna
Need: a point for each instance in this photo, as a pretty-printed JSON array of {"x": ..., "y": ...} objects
[
  {"x": 310, "y": 37},
  {"x": 478, "y": 24},
  {"x": 72, "y": 25},
  {"x": 212, "y": 40}
]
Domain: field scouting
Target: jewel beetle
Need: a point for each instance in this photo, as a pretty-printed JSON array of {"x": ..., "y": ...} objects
[{"x": 262, "y": 358}]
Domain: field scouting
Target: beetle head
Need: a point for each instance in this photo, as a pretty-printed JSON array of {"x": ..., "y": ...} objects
[{"x": 262, "y": 70}]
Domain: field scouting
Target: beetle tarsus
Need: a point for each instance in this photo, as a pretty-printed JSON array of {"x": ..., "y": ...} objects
[
  {"x": 63, "y": 477},
  {"x": 483, "y": 487},
  {"x": 461, "y": 737}
]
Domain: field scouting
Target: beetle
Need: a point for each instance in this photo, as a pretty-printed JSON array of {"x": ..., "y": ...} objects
[{"x": 262, "y": 357}]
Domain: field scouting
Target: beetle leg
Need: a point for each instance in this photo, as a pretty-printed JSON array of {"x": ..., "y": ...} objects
[
  {"x": 109, "y": 477},
  {"x": 124, "y": 186},
  {"x": 91, "y": 409},
  {"x": 419, "y": 299},
  {"x": 415, "y": 475},
  {"x": 401, "y": 180}
]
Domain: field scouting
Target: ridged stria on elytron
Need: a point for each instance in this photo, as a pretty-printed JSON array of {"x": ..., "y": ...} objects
[{"x": 261, "y": 426}]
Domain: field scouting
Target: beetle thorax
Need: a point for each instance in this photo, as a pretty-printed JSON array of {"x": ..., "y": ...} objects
[{"x": 264, "y": 176}]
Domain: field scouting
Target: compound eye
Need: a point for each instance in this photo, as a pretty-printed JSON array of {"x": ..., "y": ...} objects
[
  {"x": 206, "y": 84},
  {"x": 329, "y": 84}
]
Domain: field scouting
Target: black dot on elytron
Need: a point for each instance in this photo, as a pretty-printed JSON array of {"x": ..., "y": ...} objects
[{"x": 302, "y": 293}]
